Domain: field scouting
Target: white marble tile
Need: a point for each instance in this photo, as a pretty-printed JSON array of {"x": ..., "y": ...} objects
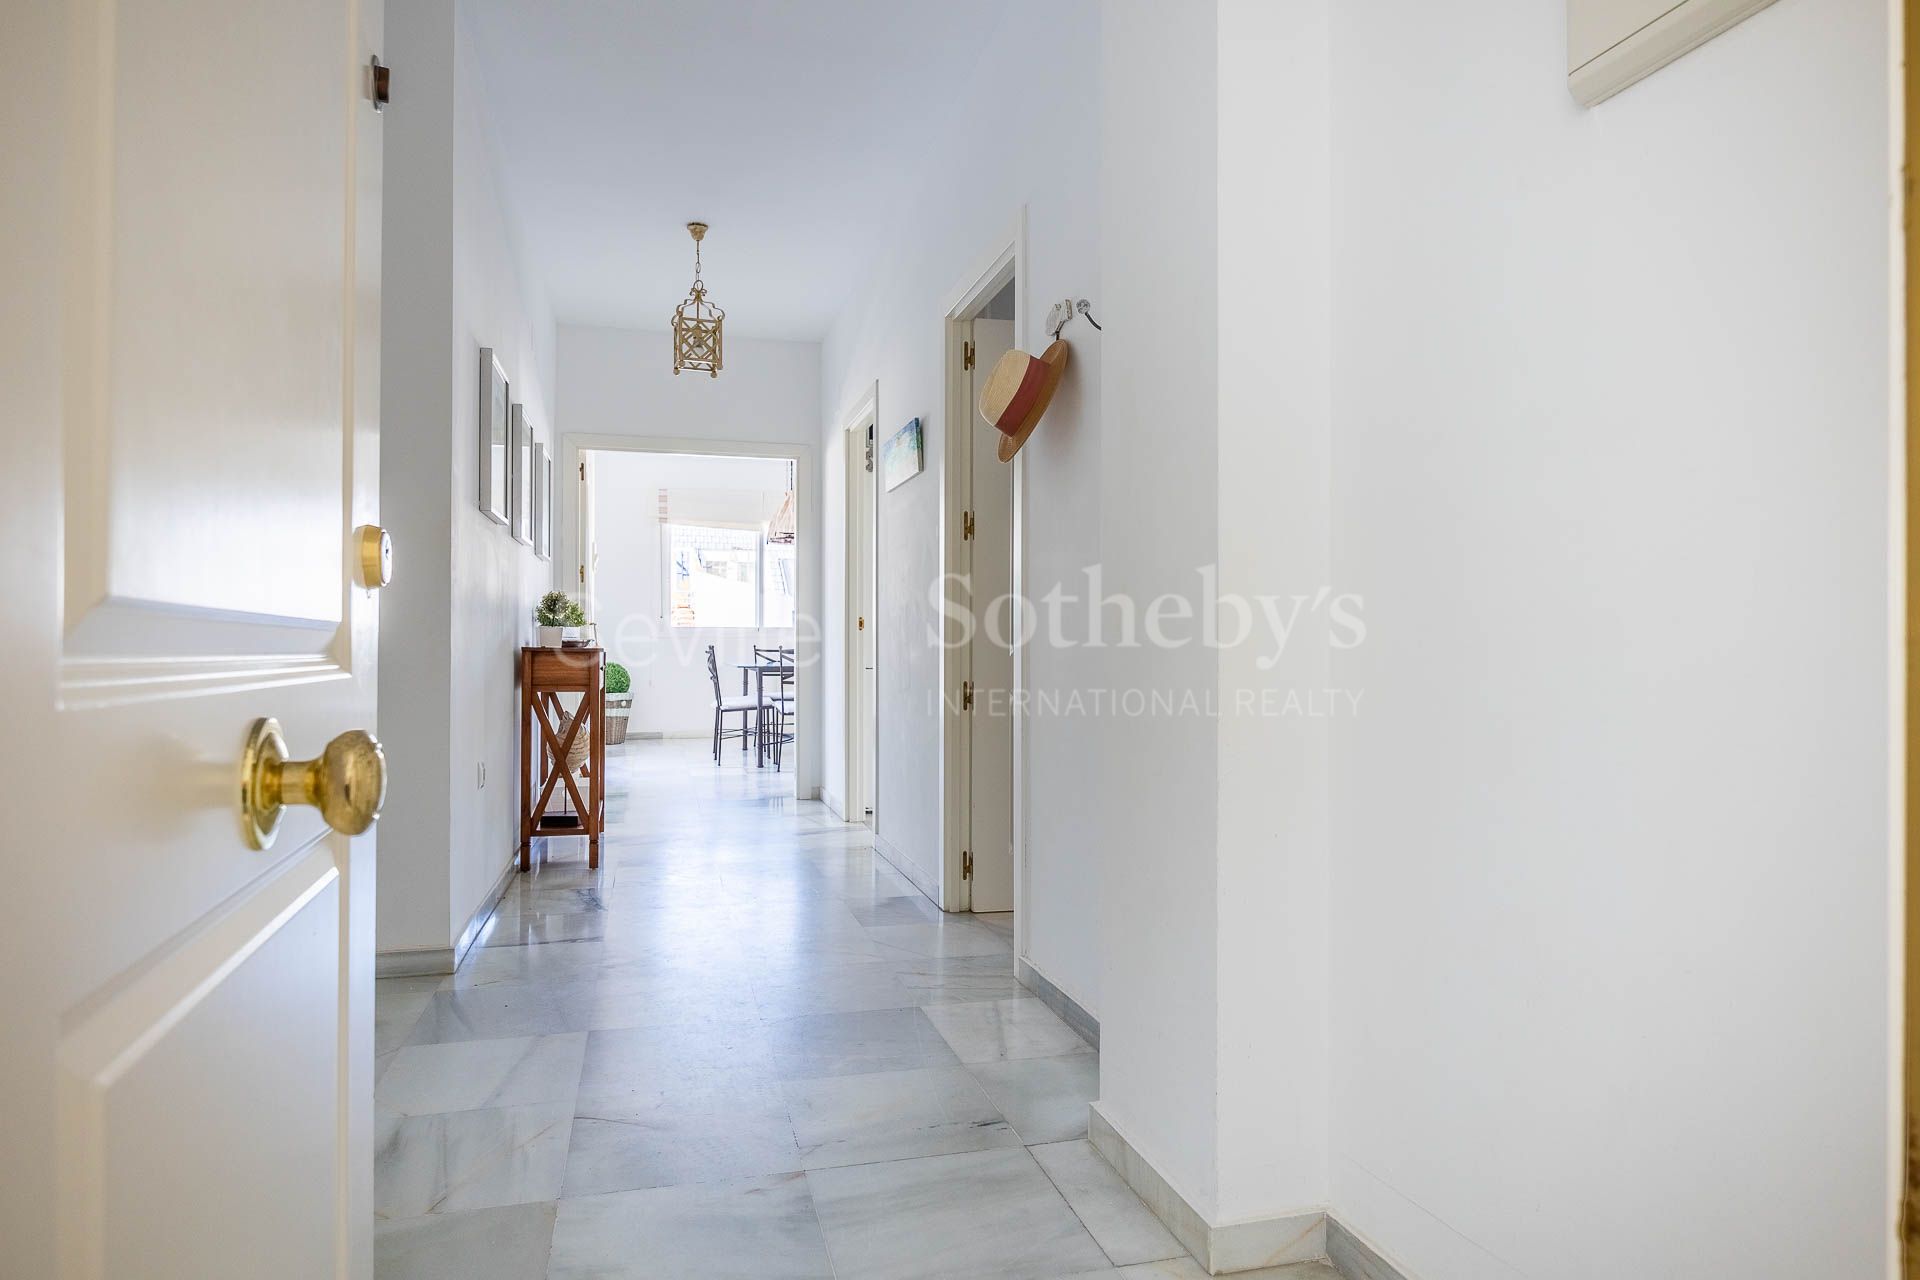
[
  {"x": 1115, "y": 1217},
  {"x": 629, "y": 1071},
  {"x": 397, "y": 1006},
  {"x": 836, "y": 1044},
  {"x": 468, "y": 1074},
  {"x": 750, "y": 990},
  {"x": 562, "y": 962},
  {"x": 469, "y": 1159},
  {"x": 958, "y": 979},
  {"x": 624, "y": 999},
  {"x": 851, "y": 988},
  {"x": 1001, "y": 922},
  {"x": 958, "y": 937},
  {"x": 909, "y": 908},
  {"x": 1019, "y": 1028},
  {"x": 762, "y": 1229},
  {"x": 507, "y": 1243},
  {"x": 508, "y": 927},
  {"x": 983, "y": 1213},
  {"x": 1185, "y": 1268},
  {"x": 691, "y": 1138},
  {"x": 497, "y": 1012},
  {"x": 893, "y": 1115},
  {"x": 1044, "y": 1099}
]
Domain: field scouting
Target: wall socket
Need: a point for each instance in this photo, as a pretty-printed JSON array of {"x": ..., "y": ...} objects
[{"x": 483, "y": 773}]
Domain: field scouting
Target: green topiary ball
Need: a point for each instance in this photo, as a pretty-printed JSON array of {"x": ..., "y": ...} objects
[{"x": 618, "y": 681}]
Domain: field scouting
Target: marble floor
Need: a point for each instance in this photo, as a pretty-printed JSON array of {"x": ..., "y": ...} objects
[{"x": 745, "y": 1047}]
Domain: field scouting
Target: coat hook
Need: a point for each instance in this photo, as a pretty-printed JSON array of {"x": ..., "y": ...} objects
[{"x": 1064, "y": 310}]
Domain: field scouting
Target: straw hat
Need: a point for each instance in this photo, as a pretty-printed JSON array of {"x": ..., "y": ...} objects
[{"x": 1018, "y": 391}]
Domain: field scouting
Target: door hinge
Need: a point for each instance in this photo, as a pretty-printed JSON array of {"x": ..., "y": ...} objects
[
  {"x": 863, "y": 623},
  {"x": 966, "y": 695},
  {"x": 583, "y": 575},
  {"x": 968, "y": 358},
  {"x": 966, "y": 864},
  {"x": 381, "y": 87},
  {"x": 966, "y": 527}
]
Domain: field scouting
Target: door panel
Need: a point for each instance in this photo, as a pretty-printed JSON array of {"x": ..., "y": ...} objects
[
  {"x": 232, "y": 1036},
  {"x": 990, "y": 737},
  {"x": 199, "y": 1036},
  {"x": 213, "y": 267}
]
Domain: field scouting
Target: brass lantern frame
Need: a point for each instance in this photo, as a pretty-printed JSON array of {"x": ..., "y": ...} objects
[{"x": 697, "y": 322}]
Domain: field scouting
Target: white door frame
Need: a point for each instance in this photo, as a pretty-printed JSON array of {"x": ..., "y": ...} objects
[
  {"x": 862, "y": 523},
  {"x": 1006, "y": 259},
  {"x": 806, "y": 625}
]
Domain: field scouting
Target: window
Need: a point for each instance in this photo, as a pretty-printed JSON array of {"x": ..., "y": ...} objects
[
  {"x": 726, "y": 576},
  {"x": 776, "y": 584}
]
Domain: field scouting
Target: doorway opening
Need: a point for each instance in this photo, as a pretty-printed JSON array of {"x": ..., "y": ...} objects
[
  {"x": 982, "y": 869},
  {"x": 689, "y": 560}
]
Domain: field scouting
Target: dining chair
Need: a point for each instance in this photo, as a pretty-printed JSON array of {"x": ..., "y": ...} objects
[
  {"x": 785, "y": 704},
  {"x": 724, "y": 706}
]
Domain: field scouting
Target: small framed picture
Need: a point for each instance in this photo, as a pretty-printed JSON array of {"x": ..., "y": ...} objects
[
  {"x": 494, "y": 399},
  {"x": 542, "y": 502},
  {"x": 902, "y": 456},
  {"x": 520, "y": 488}
]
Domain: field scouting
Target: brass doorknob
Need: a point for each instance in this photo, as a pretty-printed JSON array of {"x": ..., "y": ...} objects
[{"x": 347, "y": 782}]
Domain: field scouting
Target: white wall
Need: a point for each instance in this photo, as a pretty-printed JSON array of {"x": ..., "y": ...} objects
[
  {"x": 621, "y": 382},
  {"x": 1274, "y": 855},
  {"x": 672, "y": 692},
  {"x": 1159, "y": 482},
  {"x": 1027, "y": 136},
  {"x": 1611, "y": 465},
  {"x": 416, "y": 413},
  {"x": 460, "y": 605}
]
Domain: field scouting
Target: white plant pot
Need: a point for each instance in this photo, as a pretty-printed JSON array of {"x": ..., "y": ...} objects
[{"x": 548, "y": 637}]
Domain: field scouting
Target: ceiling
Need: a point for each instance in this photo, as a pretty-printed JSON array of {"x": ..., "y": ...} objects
[{"x": 797, "y": 130}]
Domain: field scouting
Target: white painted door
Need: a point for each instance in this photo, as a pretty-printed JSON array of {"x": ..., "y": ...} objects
[
  {"x": 990, "y": 657},
  {"x": 584, "y": 536},
  {"x": 862, "y": 714},
  {"x": 191, "y": 337}
]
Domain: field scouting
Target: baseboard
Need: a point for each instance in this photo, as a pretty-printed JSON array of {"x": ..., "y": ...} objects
[
  {"x": 484, "y": 911},
  {"x": 1220, "y": 1250},
  {"x": 904, "y": 865},
  {"x": 832, "y": 802},
  {"x": 414, "y": 962},
  {"x": 1354, "y": 1258},
  {"x": 1070, "y": 1010}
]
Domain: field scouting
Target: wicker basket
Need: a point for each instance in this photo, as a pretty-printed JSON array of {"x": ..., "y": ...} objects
[
  {"x": 619, "y": 708},
  {"x": 582, "y": 744}
]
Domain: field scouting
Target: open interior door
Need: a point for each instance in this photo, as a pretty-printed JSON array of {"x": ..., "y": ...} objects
[
  {"x": 191, "y": 327},
  {"x": 990, "y": 651}
]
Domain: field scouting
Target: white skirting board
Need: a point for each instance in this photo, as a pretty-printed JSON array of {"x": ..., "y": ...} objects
[
  {"x": 422, "y": 961},
  {"x": 905, "y": 866},
  {"x": 1070, "y": 1010},
  {"x": 417, "y": 962},
  {"x": 1309, "y": 1236}
]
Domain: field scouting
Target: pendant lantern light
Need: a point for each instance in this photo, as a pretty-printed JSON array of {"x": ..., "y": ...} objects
[{"x": 696, "y": 324}]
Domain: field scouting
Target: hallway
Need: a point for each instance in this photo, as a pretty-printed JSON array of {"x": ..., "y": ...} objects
[{"x": 744, "y": 1047}]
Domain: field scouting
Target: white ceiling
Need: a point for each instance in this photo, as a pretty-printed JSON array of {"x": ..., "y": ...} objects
[{"x": 796, "y": 128}]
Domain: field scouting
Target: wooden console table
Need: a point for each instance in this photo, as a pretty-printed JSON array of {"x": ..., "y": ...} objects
[{"x": 545, "y": 675}]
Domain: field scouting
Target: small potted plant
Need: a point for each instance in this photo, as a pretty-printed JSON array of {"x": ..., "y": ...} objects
[
  {"x": 619, "y": 702},
  {"x": 553, "y": 615}
]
